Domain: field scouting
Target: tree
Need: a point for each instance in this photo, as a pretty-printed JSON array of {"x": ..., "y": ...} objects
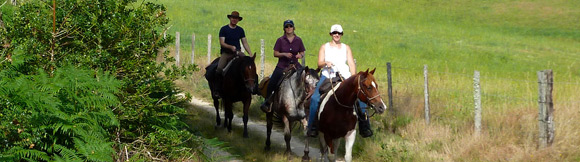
[{"x": 117, "y": 37}]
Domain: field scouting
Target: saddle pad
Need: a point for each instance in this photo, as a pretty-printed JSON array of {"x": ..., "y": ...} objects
[
  {"x": 263, "y": 87},
  {"x": 326, "y": 98},
  {"x": 326, "y": 86}
]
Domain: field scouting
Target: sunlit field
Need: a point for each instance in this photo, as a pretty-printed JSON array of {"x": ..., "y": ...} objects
[{"x": 508, "y": 42}]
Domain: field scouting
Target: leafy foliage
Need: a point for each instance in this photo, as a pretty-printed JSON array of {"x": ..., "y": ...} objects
[
  {"x": 121, "y": 38},
  {"x": 61, "y": 117}
]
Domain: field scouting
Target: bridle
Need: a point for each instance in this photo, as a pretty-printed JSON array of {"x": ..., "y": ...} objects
[
  {"x": 372, "y": 106},
  {"x": 357, "y": 94}
]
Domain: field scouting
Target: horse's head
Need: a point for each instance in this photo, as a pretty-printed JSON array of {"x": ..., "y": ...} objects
[
  {"x": 368, "y": 91},
  {"x": 249, "y": 73},
  {"x": 310, "y": 78}
]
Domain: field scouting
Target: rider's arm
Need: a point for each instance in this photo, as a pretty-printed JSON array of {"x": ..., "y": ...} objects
[
  {"x": 225, "y": 45},
  {"x": 280, "y": 54},
  {"x": 321, "y": 62},
  {"x": 246, "y": 46},
  {"x": 350, "y": 60}
]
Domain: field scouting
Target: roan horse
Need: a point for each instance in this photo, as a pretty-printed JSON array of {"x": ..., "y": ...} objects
[
  {"x": 239, "y": 83},
  {"x": 291, "y": 103},
  {"x": 336, "y": 114}
]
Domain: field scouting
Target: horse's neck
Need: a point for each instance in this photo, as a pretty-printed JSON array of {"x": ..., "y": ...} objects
[
  {"x": 346, "y": 93},
  {"x": 296, "y": 83}
]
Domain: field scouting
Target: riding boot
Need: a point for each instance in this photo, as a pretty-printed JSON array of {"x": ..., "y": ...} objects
[
  {"x": 364, "y": 124},
  {"x": 266, "y": 106},
  {"x": 313, "y": 129}
]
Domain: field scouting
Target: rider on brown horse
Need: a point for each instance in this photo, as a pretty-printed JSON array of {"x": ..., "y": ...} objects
[{"x": 230, "y": 36}]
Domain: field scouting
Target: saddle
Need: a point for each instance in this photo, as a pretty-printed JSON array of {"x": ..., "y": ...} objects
[
  {"x": 329, "y": 83},
  {"x": 229, "y": 64},
  {"x": 263, "y": 86},
  {"x": 211, "y": 68}
]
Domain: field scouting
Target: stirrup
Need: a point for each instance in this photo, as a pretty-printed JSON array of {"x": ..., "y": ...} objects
[
  {"x": 266, "y": 107},
  {"x": 312, "y": 131}
]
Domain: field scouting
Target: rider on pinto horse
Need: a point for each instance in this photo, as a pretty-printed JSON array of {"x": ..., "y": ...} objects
[{"x": 334, "y": 56}]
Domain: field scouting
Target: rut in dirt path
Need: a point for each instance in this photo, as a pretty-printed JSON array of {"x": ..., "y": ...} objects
[{"x": 277, "y": 137}]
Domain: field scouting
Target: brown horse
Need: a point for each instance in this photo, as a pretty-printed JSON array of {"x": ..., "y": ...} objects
[
  {"x": 291, "y": 103},
  {"x": 336, "y": 114},
  {"x": 239, "y": 83}
]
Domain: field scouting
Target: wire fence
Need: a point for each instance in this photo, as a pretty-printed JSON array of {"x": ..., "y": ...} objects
[{"x": 451, "y": 91}]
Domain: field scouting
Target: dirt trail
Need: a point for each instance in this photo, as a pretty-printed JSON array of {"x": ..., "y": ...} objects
[{"x": 277, "y": 137}]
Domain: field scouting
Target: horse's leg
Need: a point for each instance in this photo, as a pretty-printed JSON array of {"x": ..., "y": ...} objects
[
  {"x": 334, "y": 149},
  {"x": 287, "y": 134},
  {"x": 306, "y": 148},
  {"x": 216, "y": 104},
  {"x": 228, "y": 116},
  {"x": 349, "y": 142},
  {"x": 323, "y": 147},
  {"x": 269, "y": 125},
  {"x": 247, "y": 103}
]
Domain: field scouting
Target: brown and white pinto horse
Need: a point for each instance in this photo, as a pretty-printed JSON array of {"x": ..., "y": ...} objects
[
  {"x": 239, "y": 83},
  {"x": 336, "y": 114}
]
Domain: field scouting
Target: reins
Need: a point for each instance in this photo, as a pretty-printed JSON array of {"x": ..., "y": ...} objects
[
  {"x": 358, "y": 91},
  {"x": 334, "y": 92}
]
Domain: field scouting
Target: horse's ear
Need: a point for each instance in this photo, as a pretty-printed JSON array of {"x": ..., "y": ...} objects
[
  {"x": 254, "y": 56},
  {"x": 373, "y": 71},
  {"x": 367, "y": 70}
]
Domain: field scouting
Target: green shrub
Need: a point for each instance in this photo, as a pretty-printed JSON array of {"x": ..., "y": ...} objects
[
  {"x": 62, "y": 118},
  {"x": 121, "y": 38}
]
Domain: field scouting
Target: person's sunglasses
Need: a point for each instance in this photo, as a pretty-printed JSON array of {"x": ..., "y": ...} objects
[
  {"x": 288, "y": 26},
  {"x": 333, "y": 33}
]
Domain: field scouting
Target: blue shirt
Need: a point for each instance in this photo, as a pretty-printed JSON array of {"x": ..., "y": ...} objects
[
  {"x": 283, "y": 45},
  {"x": 232, "y": 36}
]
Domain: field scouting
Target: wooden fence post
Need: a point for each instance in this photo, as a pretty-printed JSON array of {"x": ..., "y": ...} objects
[
  {"x": 262, "y": 55},
  {"x": 390, "y": 90},
  {"x": 426, "y": 94},
  {"x": 304, "y": 60},
  {"x": 477, "y": 99},
  {"x": 208, "y": 49},
  {"x": 177, "y": 48},
  {"x": 192, "y": 49},
  {"x": 546, "y": 108}
]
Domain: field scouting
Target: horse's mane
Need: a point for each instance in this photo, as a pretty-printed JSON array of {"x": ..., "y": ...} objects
[{"x": 239, "y": 62}]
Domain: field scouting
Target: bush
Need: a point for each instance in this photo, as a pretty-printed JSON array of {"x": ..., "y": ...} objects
[{"x": 121, "y": 38}]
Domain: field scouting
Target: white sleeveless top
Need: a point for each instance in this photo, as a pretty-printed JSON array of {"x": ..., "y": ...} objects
[{"x": 336, "y": 56}]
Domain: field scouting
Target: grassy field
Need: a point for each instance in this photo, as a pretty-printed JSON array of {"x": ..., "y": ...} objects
[{"x": 507, "y": 41}]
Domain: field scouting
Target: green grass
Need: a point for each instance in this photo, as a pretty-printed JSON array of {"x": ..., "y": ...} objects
[{"x": 507, "y": 41}]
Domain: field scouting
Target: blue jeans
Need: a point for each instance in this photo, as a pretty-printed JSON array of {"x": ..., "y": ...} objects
[{"x": 316, "y": 99}]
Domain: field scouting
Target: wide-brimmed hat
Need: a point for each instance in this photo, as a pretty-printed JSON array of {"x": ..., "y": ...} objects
[{"x": 235, "y": 14}]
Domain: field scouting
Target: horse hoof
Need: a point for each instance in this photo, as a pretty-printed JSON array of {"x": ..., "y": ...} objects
[
  {"x": 305, "y": 158},
  {"x": 267, "y": 148},
  {"x": 246, "y": 136}
]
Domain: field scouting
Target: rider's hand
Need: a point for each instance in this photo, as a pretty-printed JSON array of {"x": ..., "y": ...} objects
[
  {"x": 328, "y": 64},
  {"x": 233, "y": 48},
  {"x": 298, "y": 56},
  {"x": 289, "y": 55}
]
